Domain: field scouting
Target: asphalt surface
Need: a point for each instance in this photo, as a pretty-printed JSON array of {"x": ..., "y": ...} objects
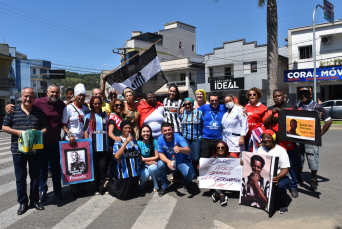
[{"x": 178, "y": 209}]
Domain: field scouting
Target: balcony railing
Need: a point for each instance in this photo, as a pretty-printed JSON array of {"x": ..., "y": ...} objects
[{"x": 7, "y": 82}]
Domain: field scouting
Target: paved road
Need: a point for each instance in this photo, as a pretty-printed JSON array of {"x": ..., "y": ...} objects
[{"x": 178, "y": 209}]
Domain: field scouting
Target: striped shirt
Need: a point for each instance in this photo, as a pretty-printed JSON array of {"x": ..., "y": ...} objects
[
  {"x": 128, "y": 166},
  {"x": 98, "y": 136},
  {"x": 171, "y": 113},
  {"x": 19, "y": 120},
  {"x": 192, "y": 124},
  {"x": 248, "y": 191}
]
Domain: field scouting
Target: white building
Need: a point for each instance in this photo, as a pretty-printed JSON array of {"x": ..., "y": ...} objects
[
  {"x": 238, "y": 66},
  {"x": 329, "y": 60},
  {"x": 176, "y": 51}
]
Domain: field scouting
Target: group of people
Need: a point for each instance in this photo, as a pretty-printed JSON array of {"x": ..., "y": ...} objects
[{"x": 133, "y": 142}]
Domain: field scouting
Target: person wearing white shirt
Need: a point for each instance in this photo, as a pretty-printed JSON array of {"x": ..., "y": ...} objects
[
  {"x": 282, "y": 180},
  {"x": 235, "y": 127}
]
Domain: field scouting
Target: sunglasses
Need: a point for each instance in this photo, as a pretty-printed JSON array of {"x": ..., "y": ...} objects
[
  {"x": 213, "y": 100},
  {"x": 187, "y": 104},
  {"x": 219, "y": 148},
  {"x": 252, "y": 95},
  {"x": 119, "y": 105}
]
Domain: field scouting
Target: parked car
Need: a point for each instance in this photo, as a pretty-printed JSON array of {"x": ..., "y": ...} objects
[{"x": 334, "y": 108}]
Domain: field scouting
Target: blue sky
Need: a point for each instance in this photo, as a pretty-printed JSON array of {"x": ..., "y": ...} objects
[{"x": 79, "y": 35}]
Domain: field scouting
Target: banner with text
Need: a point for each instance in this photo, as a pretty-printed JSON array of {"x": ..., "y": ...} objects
[
  {"x": 76, "y": 162},
  {"x": 220, "y": 173},
  {"x": 300, "y": 75}
]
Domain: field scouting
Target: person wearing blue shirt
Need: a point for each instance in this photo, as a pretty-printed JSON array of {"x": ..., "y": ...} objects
[
  {"x": 149, "y": 156},
  {"x": 212, "y": 125},
  {"x": 172, "y": 144},
  {"x": 192, "y": 122}
]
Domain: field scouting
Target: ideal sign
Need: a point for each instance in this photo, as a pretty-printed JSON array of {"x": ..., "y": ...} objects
[
  {"x": 300, "y": 75},
  {"x": 227, "y": 84}
]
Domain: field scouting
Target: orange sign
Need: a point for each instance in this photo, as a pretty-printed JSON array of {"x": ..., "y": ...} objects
[{"x": 300, "y": 127}]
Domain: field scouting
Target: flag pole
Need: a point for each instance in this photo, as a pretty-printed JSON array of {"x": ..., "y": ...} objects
[{"x": 131, "y": 58}]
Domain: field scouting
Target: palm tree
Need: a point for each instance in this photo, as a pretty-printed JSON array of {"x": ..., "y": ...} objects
[{"x": 272, "y": 47}]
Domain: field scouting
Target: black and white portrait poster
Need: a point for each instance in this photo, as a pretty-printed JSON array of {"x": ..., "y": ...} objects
[
  {"x": 76, "y": 162},
  {"x": 257, "y": 176}
]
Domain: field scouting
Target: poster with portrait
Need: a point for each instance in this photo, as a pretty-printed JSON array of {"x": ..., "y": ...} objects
[
  {"x": 76, "y": 162},
  {"x": 300, "y": 126},
  {"x": 256, "y": 182},
  {"x": 220, "y": 173}
]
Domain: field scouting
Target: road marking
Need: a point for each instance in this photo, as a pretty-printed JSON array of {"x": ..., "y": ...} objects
[
  {"x": 11, "y": 214},
  {"x": 2, "y": 161},
  {"x": 220, "y": 225},
  {"x": 5, "y": 153},
  {"x": 157, "y": 212},
  {"x": 6, "y": 171},
  {"x": 6, "y": 138},
  {"x": 7, "y": 147},
  {"x": 86, "y": 213},
  {"x": 10, "y": 186}
]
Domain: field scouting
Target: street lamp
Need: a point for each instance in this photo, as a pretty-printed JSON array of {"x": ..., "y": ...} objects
[
  {"x": 108, "y": 65},
  {"x": 37, "y": 84}
]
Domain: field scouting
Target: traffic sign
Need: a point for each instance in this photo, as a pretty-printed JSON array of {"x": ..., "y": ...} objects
[{"x": 328, "y": 11}]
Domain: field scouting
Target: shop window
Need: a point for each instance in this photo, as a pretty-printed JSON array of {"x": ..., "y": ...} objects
[
  {"x": 228, "y": 71},
  {"x": 254, "y": 66},
  {"x": 305, "y": 52}
]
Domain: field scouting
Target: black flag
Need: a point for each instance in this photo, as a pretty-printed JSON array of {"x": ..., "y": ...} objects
[{"x": 142, "y": 74}]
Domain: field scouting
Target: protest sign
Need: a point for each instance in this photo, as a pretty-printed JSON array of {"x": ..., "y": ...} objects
[
  {"x": 220, "y": 173},
  {"x": 256, "y": 183},
  {"x": 300, "y": 126},
  {"x": 76, "y": 162}
]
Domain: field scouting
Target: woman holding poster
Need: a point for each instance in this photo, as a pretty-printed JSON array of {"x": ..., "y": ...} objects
[
  {"x": 95, "y": 128},
  {"x": 282, "y": 180},
  {"x": 127, "y": 154},
  {"x": 235, "y": 127},
  {"x": 72, "y": 123}
]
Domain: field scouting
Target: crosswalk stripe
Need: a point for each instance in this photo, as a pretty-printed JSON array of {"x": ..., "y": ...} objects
[
  {"x": 5, "y": 139},
  {"x": 86, "y": 213},
  {"x": 157, "y": 212},
  {"x": 6, "y": 171},
  {"x": 11, "y": 214},
  {"x": 220, "y": 225},
  {"x": 5, "y": 153},
  {"x": 5, "y": 160},
  {"x": 7, "y": 187},
  {"x": 7, "y": 147}
]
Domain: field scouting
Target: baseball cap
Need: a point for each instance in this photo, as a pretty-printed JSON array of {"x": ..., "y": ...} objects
[{"x": 305, "y": 89}]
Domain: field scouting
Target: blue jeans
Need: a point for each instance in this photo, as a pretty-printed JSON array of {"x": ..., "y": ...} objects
[
  {"x": 195, "y": 148},
  {"x": 20, "y": 169},
  {"x": 293, "y": 169},
  {"x": 50, "y": 153},
  {"x": 281, "y": 189},
  {"x": 148, "y": 170},
  {"x": 185, "y": 168}
]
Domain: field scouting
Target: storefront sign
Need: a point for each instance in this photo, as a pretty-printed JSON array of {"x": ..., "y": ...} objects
[
  {"x": 227, "y": 84},
  {"x": 299, "y": 75}
]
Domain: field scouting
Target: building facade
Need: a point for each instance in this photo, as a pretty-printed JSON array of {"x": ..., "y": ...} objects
[
  {"x": 237, "y": 67},
  {"x": 328, "y": 60},
  {"x": 176, "y": 50},
  {"x": 7, "y": 81},
  {"x": 30, "y": 73}
]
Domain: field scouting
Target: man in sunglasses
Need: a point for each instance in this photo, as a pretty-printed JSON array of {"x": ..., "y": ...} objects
[
  {"x": 212, "y": 124},
  {"x": 14, "y": 125},
  {"x": 271, "y": 121},
  {"x": 311, "y": 151}
]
